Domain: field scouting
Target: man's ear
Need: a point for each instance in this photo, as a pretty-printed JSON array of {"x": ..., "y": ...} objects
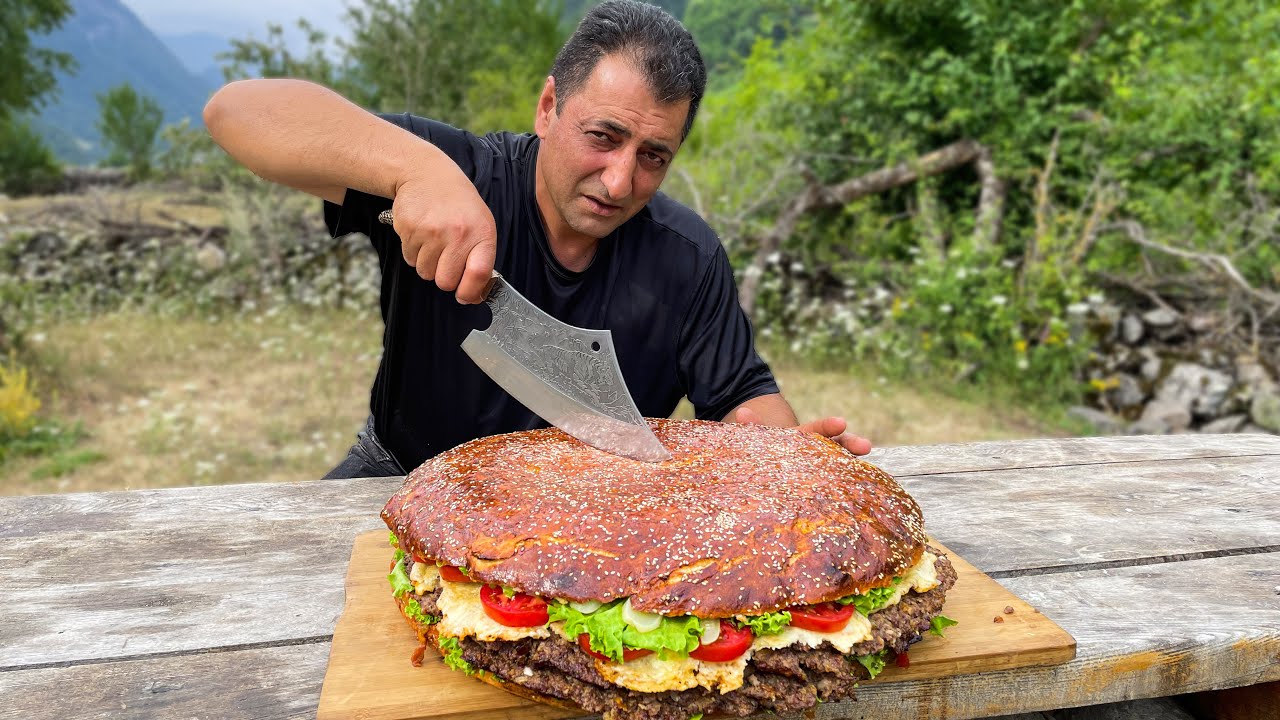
[{"x": 546, "y": 108}]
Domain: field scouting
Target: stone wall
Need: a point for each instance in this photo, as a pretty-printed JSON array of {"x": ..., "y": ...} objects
[{"x": 1161, "y": 371}]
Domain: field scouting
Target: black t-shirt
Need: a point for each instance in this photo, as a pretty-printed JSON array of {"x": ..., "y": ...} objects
[{"x": 661, "y": 283}]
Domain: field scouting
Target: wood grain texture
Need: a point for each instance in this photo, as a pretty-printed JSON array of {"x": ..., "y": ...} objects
[
  {"x": 1060, "y": 517},
  {"x": 170, "y": 570},
  {"x": 372, "y": 645},
  {"x": 263, "y": 684},
  {"x": 1098, "y": 532},
  {"x": 1049, "y": 452},
  {"x": 1175, "y": 632}
]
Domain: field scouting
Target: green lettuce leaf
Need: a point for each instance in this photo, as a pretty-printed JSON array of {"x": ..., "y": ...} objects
[
  {"x": 766, "y": 624},
  {"x": 939, "y": 622},
  {"x": 871, "y": 600},
  {"x": 414, "y": 610},
  {"x": 608, "y": 632},
  {"x": 400, "y": 584},
  {"x": 874, "y": 663},
  {"x": 395, "y": 543},
  {"x": 453, "y": 655}
]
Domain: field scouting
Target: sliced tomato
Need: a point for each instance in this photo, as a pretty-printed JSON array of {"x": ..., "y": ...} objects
[
  {"x": 453, "y": 574},
  {"x": 730, "y": 645},
  {"x": 584, "y": 642},
  {"x": 824, "y": 617},
  {"x": 519, "y": 610},
  {"x": 902, "y": 660}
]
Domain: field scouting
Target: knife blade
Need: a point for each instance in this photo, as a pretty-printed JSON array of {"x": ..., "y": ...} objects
[{"x": 566, "y": 375}]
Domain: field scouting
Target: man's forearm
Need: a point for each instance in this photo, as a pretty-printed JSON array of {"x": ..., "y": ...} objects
[
  {"x": 306, "y": 136},
  {"x": 771, "y": 409}
]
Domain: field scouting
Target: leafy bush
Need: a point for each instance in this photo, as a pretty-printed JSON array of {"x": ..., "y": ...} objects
[
  {"x": 27, "y": 165},
  {"x": 18, "y": 401}
]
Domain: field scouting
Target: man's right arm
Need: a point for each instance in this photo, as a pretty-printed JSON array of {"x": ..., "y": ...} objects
[{"x": 308, "y": 137}]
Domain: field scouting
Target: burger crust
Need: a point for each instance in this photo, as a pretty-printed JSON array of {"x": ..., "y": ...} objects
[{"x": 744, "y": 519}]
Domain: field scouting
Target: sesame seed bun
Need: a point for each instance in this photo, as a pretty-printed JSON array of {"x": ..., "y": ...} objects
[{"x": 744, "y": 519}]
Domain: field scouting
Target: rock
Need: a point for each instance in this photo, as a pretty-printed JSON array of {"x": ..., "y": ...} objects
[
  {"x": 1160, "y": 318},
  {"x": 1152, "y": 365},
  {"x": 1147, "y": 426},
  {"x": 1131, "y": 329},
  {"x": 1127, "y": 393},
  {"x": 1103, "y": 424},
  {"x": 1228, "y": 424},
  {"x": 1201, "y": 323},
  {"x": 1195, "y": 388},
  {"x": 1255, "y": 430},
  {"x": 1252, "y": 375},
  {"x": 1265, "y": 410},
  {"x": 211, "y": 258},
  {"x": 1167, "y": 414}
]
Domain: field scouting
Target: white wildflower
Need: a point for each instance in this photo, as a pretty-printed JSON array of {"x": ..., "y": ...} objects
[
  {"x": 945, "y": 308},
  {"x": 999, "y": 300}
]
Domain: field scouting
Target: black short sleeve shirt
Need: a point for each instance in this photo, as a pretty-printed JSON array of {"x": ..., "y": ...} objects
[{"x": 661, "y": 283}]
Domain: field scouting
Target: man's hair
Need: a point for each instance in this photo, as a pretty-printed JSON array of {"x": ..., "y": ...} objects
[{"x": 658, "y": 45}]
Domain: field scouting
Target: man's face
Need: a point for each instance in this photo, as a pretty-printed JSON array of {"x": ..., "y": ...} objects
[{"x": 605, "y": 154}]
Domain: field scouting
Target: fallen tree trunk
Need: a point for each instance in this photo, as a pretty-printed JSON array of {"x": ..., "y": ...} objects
[{"x": 816, "y": 196}]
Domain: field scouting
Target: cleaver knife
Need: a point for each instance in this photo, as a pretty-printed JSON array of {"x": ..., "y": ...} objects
[{"x": 568, "y": 376}]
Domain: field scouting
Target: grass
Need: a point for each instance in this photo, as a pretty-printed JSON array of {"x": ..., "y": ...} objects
[
  {"x": 188, "y": 401},
  {"x": 278, "y": 396},
  {"x": 156, "y": 205}
]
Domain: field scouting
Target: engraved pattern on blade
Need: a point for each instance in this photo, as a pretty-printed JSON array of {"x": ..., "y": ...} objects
[{"x": 561, "y": 354}]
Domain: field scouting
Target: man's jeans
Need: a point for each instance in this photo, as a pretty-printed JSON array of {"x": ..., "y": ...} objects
[{"x": 367, "y": 458}]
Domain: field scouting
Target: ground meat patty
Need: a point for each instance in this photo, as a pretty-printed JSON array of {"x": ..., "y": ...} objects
[{"x": 782, "y": 680}]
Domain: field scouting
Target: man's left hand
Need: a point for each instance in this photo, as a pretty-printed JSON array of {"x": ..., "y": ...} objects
[{"x": 832, "y": 427}]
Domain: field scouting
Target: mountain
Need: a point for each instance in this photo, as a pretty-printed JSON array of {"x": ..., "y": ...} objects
[
  {"x": 111, "y": 46},
  {"x": 198, "y": 52}
]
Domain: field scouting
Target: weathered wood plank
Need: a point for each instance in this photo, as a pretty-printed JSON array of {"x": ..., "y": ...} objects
[
  {"x": 179, "y": 508},
  {"x": 232, "y": 573},
  {"x": 1008, "y": 522},
  {"x": 1005, "y": 455},
  {"x": 264, "y": 684},
  {"x": 78, "y": 596},
  {"x": 1142, "y": 632}
]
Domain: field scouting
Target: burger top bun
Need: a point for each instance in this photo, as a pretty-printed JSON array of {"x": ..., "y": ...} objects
[{"x": 744, "y": 519}]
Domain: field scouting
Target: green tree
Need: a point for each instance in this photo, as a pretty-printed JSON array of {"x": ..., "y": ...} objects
[
  {"x": 423, "y": 56},
  {"x": 473, "y": 63},
  {"x": 130, "y": 124},
  {"x": 726, "y": 30},
  {"x": 272, "y": 58},
  {"x": 28, "y": 70},
  {"x": 26, "y": 164}
]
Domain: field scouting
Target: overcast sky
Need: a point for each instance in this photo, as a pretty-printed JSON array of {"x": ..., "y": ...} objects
[{"x": 236, "y": 18}]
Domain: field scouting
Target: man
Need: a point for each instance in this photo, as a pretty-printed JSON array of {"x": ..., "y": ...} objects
[{"x": 570, "y": 216}]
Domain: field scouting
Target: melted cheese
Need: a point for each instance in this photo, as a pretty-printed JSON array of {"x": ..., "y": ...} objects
[
  {"x": 464, "y": 616},
  {"x": 425, "y": 577},
  {"x": 858, "y": 630},
  {"x": 922, "y": 577},
  {"x": 654, "y": 674}
]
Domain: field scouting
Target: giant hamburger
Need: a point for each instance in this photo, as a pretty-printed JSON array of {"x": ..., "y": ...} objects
[{"x": 758, "y": 569}]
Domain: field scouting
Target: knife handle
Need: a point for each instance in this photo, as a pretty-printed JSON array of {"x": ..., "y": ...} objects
[{"x": 386, "y": 217}]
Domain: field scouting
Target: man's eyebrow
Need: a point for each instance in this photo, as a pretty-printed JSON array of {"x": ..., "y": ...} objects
[{"x": 621, "y": 131}]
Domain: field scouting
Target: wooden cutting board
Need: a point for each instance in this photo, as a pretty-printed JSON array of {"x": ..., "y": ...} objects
[{"x": 370, "y": 676}]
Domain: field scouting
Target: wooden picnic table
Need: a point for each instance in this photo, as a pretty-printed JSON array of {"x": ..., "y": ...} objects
[{"x": 1160, "y": 554}]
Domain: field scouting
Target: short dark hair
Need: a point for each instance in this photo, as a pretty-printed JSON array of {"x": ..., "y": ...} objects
[{"x": 661, "y": 48}]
